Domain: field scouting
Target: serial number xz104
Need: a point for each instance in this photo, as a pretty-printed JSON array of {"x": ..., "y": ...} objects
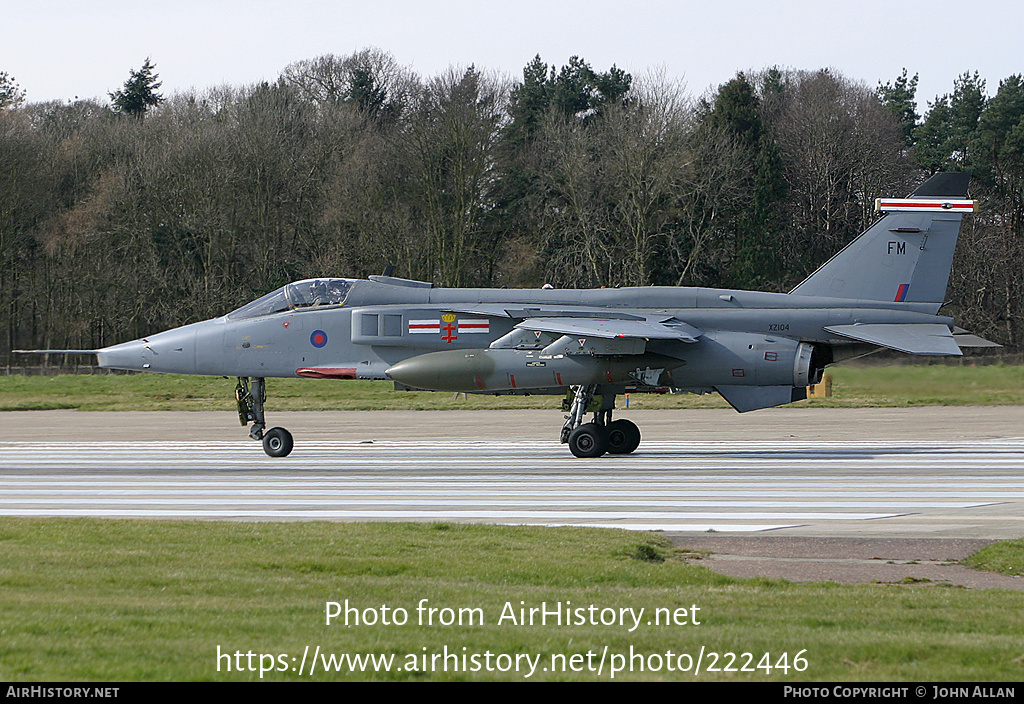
[{"x": 778, "y": 327}]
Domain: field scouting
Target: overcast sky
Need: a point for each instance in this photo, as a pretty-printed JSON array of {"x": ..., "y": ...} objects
[{"x": 62, "y": 49}]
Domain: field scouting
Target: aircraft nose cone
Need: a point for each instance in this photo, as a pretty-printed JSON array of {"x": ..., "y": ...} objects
[
  {"x": 173, "y": 351},
  {"x": 128, "y": 355}
]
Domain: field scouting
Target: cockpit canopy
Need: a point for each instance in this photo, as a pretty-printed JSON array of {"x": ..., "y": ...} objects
[{"x": 298, "y": 295}]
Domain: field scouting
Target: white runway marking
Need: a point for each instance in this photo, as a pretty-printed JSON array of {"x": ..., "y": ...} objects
[{"x": 736, "y": 486}]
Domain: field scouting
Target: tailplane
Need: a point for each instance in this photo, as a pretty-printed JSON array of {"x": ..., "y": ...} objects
[{"x": 906, "y": 255}]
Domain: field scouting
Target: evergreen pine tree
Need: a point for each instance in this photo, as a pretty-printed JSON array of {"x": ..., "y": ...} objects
[{"x": 139, "y": 92}]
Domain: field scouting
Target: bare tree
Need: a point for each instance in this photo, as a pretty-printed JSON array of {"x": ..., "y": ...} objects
[
  {"x": 646, "y": 155},
  {"x": 449, "y": 147},
  {"x": 840, "y": 148},
  {"x": 369, "y": 79}
]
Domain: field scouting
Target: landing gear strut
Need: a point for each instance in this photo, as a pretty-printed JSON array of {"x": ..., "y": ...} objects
[
  {"x": 277, "y": 442},
  {"x": 619, "y": 437}
]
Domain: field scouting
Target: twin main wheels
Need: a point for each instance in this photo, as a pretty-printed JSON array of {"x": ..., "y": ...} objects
[{"x": 620, "y": 437}]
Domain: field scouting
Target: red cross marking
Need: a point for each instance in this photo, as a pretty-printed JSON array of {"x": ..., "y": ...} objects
[{"x": 450, "y": 329}]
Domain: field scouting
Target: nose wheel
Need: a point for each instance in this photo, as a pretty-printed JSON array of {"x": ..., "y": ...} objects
[{"x": 277, "y": 442}]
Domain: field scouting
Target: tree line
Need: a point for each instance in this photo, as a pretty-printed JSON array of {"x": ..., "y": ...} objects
[{"x": 123, "y": 218}]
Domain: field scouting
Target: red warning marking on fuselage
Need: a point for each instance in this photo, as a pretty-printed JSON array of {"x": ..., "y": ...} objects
[{"x": 326, "y": 373}]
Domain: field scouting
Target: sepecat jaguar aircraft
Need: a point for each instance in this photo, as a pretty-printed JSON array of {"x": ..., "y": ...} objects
[{"x": 884, "y": 290}]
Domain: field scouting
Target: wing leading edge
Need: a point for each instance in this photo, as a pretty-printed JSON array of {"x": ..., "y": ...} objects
[{"x": 649, "y": 329}]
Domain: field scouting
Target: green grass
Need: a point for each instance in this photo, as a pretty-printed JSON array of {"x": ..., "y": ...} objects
[
  {"x": 1005, "y": 557},
  {"x": 147, "y": 600},
  {"x": 926, "y": 385},
  {"x": 88, "y": 599},
  {"x": 854, "y": 386}
]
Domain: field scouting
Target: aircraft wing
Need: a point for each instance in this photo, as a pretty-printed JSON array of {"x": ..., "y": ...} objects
[
  {"x": 503, "y": 310},
  {"x": 650, "y": 329},
  {"x": 919, "y": 338}
]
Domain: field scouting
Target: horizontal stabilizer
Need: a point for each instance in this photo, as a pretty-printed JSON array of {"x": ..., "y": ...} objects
[
  {"x": 669, "y": 329},
  {"x": 965, "y": 338},
  {"x": 752, "y": 398},
  {"x": 918, "y": 338}
]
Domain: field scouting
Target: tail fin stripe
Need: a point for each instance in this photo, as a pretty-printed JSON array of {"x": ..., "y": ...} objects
[
  {"x": 901, "y": 293},
  {"x": 923, "y": 205}
]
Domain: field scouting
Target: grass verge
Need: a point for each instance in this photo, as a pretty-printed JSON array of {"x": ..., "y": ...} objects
[
  {"x": 88, "y": 599},
  {"x": 1006, "y": 558},
  {"x": 854, "y": 387}
]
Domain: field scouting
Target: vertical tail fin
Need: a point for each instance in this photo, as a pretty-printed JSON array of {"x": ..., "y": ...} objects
[{"x": 906, "y": 255}]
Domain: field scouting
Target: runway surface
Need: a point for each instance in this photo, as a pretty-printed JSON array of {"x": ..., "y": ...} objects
[{"x": 971, "y": 488}]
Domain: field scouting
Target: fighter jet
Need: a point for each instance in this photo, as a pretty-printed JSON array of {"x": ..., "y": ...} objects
[{"x": 756, "y": 349}]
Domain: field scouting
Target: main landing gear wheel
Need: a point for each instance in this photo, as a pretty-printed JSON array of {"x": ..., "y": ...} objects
[
  {"x": 619, "y": 437},
  {"x": 277, "y": 442},
  {"x": 623, "y": 436},
  {"x": 588, "y": 440}
]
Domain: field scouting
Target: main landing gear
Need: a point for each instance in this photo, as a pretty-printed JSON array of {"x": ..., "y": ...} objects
[
  {"x": 619, "y": 437},
  {"x": 277, "y": 442}
]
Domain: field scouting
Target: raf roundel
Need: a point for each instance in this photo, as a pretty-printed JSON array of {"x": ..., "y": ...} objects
[{"x": 318, "y": 338}]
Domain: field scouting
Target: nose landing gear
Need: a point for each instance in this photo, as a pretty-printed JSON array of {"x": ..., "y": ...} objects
[{"x": 277, "y": 442}]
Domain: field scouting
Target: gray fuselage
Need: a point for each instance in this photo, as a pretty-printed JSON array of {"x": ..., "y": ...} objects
[{"x": 381, "y": 323}]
